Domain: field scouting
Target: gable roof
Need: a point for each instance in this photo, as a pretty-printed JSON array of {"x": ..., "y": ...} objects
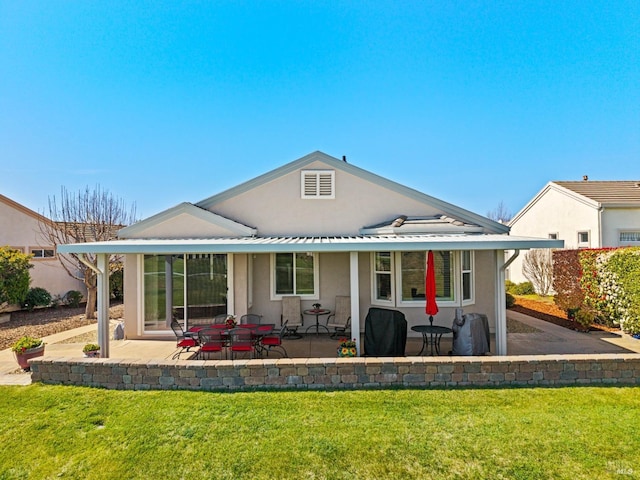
[
  {"x": 191, "y": 210},
  {"x": 620, "y": 193},
  {"x": 596, "y": 194},
  {"x": 447, "y": 208},
  {"x": 23, "y": 209}
]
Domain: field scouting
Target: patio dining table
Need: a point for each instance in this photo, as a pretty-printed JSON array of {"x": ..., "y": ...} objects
[{"x": 257, "y": 332}]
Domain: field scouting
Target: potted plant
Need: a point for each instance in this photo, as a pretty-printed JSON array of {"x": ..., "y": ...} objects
[
  {"x": 27, "y": 348},
  {"x": 91, "y": 350},
  {"x": 347, "y": 348}
]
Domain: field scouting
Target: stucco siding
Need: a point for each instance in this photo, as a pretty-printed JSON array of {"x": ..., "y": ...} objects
[
  {"x": 20, "y": 229},
  {"x": 276, "y": 208},
  {"x": 616, "y": 220},
  {"x": 555, "y": 212}
]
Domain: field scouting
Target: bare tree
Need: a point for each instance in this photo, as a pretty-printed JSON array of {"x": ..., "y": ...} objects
[
  {"x": 500, "y": 214},
  {"x": 88, "y": 216},
  {"x": 537, "y": 266}
]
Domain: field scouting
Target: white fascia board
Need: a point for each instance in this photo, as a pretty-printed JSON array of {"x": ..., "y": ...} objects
[
  {"x": 448, "y": 208},
  {"x": 314, "y": 244}
]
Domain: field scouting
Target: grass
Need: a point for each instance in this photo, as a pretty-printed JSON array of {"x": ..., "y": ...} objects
[{"x": 75, "y": 432}]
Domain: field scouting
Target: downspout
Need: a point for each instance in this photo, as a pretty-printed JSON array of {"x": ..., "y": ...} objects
[
  {"x": 501, "y": 308},
  {"x": 600, "y": 210}
]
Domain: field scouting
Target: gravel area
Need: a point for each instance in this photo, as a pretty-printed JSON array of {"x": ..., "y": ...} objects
[{"x": 47, "y": 321}]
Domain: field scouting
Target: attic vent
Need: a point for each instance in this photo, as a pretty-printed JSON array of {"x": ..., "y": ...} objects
[{"x": 318, "y": 184}]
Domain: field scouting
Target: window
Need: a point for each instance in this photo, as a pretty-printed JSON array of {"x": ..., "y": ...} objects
[
  {"x": 294, "y": 274},
  {"x": 467, "y": 277},
  {"x": 553, "y": 236},
  {"x": 382, "y": 268},
  {"x": 453, "y": 270},
  {"x": 42, "y": 252},
  {"x": 318, "y": 184},
  {"x": 629, "y": 238},
  {"x": 583, "y": 239}
]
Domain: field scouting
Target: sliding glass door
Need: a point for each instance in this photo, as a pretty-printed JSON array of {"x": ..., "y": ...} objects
[{"x": 165, "y": 288}]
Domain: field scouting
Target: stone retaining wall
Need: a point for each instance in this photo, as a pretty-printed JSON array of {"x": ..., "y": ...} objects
[{"x": 339, "y": 373}]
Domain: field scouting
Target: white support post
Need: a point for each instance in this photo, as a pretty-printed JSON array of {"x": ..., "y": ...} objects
[
  {"x": 355, "y": 298},
  {"x": 501, "y": 301},
  {"x": 103, "y": 304}
]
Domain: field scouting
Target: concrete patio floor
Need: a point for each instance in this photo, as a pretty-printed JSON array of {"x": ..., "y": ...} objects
[{"x": 542, "y": 338}]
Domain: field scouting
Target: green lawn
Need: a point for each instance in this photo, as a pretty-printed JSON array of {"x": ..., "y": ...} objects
[{"x": 73, "y": 432}]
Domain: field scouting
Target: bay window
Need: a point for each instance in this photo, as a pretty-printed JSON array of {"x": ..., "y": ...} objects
[{"x": 404, "y": 273}]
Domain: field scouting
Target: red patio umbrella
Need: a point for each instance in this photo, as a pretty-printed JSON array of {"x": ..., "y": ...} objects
[{"x": 431, "y": 308}]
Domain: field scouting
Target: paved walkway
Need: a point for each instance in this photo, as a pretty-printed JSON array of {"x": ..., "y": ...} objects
[{"x": 549, "y": 339}]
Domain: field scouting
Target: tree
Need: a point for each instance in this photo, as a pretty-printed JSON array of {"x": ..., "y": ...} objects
[
  {"x": 500, "y": 214},
  {"x": 537, "y": 266},
  {"x": 88, "y": 216},
  {"x": 14, "y": 276}
]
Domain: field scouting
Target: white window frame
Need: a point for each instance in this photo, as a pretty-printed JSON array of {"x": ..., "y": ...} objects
[
  {"x": 584, "y": 244},
  {"x": 553, "y": 236},
  {"x": 374, "y": 286},
  {"x": 472, "y": 262},
  {"x": 316, "y": 278},
  {"x": 318, "y": 179},
  {"x": 396, "y": 283}
]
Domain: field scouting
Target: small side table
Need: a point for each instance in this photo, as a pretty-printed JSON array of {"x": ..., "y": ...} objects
[
  {"x": 431, "y": 335},
  {"x": 318, "y": 312}
]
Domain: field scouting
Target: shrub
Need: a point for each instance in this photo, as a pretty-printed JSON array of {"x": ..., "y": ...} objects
[
  {"x": 37, "y": 297},
  {"x": 14, "y": 275},
  {"x": 566, "y": 280},
  {"x": 524, "y": 288},
  {"x": 116, "y": 284},
  {"x": 509, "y": 285},
  {"x": 73, "y": 298},
  {"x": 510, "y": 299}
]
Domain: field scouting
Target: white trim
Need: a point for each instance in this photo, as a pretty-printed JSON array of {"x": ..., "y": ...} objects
[
  {"x": 472, "y": 260},
  {"x": 586, "y": 244},
  {"x": 316, "y": 278},
  {"x": 374, "y": 292}
]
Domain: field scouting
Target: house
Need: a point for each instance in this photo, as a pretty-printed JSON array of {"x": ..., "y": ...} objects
[
  {"x": 585, "y": 214},
  {"x": 317, "y": 228},
  {"x": 19, "y": 229}
]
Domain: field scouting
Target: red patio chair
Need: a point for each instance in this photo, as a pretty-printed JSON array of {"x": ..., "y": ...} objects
[
  {"x": 274, "y": 342},
  {"x": 240, "y": 341},
  {"x": 184, "y": 340},
  {"x": 210, "y": 341}
]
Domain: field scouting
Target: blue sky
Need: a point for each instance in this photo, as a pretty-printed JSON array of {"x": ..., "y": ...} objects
[{"x": 472, "y": 102}]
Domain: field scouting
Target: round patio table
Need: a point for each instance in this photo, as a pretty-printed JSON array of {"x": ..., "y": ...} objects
[
  {"x": 431, "y": 335},
  {"x": 318, "y": 312}
]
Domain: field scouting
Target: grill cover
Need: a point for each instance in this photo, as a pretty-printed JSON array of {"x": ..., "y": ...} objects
[
  {"x": 471, "y": 334},
  {"x": 385, "y": 333}
]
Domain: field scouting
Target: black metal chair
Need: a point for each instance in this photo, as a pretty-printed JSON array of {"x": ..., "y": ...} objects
[
  {"x": 184, "y": 340},
  {"x": 251, "y": 318}
]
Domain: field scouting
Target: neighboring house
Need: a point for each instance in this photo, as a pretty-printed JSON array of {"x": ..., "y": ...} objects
[
  {"x": 585, "y": 214},
  {"x": 19, "y": 229},
  {"x": 318, "y": 228}
]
